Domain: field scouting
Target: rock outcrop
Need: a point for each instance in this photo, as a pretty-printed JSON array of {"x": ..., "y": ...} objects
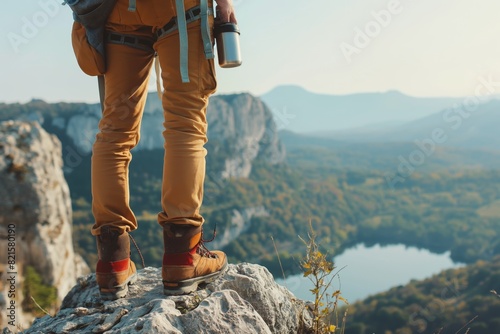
[
  {"x": 240, "y": 125},
  {"x": 247, "y": 127},
  {"x": 240, "y": 222},
  {"x": 245, "y": 299},
  {"x": 35, "y": 200}
]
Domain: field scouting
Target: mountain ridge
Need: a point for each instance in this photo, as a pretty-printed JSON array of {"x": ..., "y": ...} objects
[
  {"x": 309, "y": 112},
  {"x": 469, "y": 130}
]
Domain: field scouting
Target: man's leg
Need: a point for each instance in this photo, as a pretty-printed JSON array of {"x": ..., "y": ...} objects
[
  {"x": 185, "y": 134},
  {"x": 126, "y": 83},
  {"x": 186, "y": 262},
  {"x": 126, "y": 91}
]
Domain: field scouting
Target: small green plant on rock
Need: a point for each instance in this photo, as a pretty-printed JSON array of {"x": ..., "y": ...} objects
[
  {"x": 318, "y": 269},
  {"x": 37, "y": 295}
]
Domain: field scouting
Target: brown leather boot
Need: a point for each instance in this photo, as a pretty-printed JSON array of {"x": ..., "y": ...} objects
[
  {"x": 115, "y": 271},
  {"x": 186, "y": 261}
]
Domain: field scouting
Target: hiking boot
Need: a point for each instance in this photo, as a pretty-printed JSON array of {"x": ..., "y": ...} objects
[
  {"x": 115, "y": 271},
  {"x": 187, "y": 263}
]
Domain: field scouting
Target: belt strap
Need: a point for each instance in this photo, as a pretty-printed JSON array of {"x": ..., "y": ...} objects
[
  {"x": 178, "y": 23},
  {"x": 136, "y": 42},
  {"x": 192, "y": 15}
]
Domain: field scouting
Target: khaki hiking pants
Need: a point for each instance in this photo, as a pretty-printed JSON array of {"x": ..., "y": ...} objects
[{"x": 184, "y": 110}]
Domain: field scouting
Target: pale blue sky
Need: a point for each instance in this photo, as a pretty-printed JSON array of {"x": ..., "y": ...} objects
[{"x": 425, "y": 48}]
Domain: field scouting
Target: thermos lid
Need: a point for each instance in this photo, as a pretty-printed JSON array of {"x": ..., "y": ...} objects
[{"x": 226, "y": 27}]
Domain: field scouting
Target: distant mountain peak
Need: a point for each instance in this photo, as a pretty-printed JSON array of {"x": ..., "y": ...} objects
[
  {"x": 289, "y": 89},
  {"x": 320, "y": 112},
  {"x": 394, "y": 92}
]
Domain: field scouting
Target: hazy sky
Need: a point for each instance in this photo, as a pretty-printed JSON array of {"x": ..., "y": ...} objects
[{"x": 422, "y": 48}]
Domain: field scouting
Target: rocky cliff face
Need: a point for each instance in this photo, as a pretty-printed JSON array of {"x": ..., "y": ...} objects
[
  {"x": 247, "y": 127},
  {"x": 244, "y": 300},
  {"x": 241, "y": 130},
  {"x": 240, "y": 125},
  {"x": 35, "y": 201},
  {"x": 240, "y": 223}
]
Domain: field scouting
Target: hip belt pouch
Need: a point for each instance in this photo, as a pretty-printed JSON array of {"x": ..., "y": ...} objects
[{"x": 87, "y": 35}]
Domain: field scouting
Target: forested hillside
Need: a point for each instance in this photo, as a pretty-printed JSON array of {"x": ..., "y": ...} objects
[{"x": 443, "y": 210}]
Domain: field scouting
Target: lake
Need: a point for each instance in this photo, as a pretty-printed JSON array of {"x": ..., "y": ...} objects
[{"x": 369, "y": 270}]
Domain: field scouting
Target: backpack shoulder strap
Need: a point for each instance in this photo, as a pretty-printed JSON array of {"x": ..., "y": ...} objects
[
  {"x": 205, "y": 29},
  {"x": 183, "y": 39},
  {"x": 132, "y": 6}
]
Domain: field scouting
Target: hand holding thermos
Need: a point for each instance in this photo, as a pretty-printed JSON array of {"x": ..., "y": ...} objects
[
  {"x": 227, "y": 35},
  {"x": 225, "y": 11}
]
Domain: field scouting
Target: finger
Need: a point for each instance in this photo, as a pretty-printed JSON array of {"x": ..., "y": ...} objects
[
  {"x": 223, "y": 16},
  {"x": 232, "y": 18}
]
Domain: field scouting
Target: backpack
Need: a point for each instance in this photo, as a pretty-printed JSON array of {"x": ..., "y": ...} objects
[
  {"x": 88, "y": 33},
  {"x": 89, "y": 36}
]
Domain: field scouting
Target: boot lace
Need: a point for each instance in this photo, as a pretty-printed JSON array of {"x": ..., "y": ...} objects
[
  {"x": 138, "y": 250},
  {"x": 203, "y": 250}
]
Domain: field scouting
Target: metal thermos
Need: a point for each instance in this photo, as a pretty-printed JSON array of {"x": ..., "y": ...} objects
[{"x": 227, "y": 36}]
